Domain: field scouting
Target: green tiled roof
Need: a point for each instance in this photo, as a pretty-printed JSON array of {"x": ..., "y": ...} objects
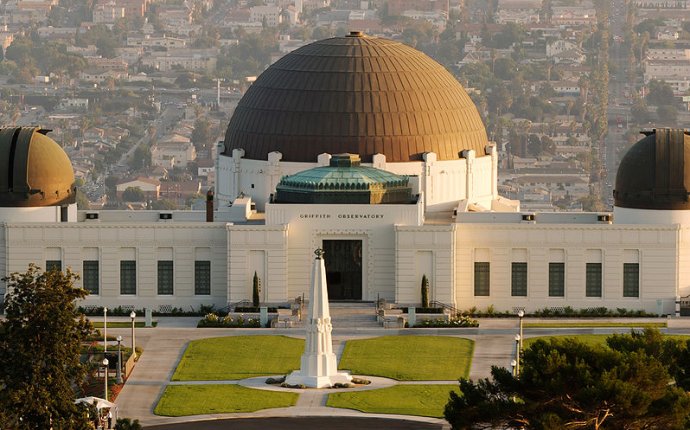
[{"x": 344, "y": 181}]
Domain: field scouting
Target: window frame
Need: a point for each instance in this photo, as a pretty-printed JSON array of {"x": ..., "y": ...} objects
[
  {"x": 594, "y": 280},
  {"x": 128, "y": 274},
  {"x": 518, "y": 279},
  {"x": 51, "y": 264},
  {"x": 482, "y": 279},
  {"x": 85, "y": 276},
  {"x": 626, "y": 278},
  {"x": 200, "y": 265},
  {"x": 165, "y": 272},
  {"x": 555, "y": 280}
]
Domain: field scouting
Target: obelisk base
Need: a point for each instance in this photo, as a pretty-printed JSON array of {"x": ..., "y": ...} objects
[{"x": 297, "y": 378}]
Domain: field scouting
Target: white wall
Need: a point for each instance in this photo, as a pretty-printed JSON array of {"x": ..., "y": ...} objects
[
  {"x": 579, "y": 244},
  {"x": 443, "y": 183},
  {"x": 111, "y": 242},
  {"x": 649, "y": 216}
]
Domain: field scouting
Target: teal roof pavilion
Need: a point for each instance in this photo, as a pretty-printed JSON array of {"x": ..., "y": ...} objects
[{"x": 344, "y": 181}]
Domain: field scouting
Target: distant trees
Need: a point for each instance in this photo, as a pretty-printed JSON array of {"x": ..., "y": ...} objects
[
  {"x": 667, "y": 115},
  {"x": 202, "y": 133},
  {"x": 639, "y": 111},
  {"x": 133, "y": 194},
  {"x": 660, "y": 93},
  {"x": 633, "y": 383},
  {"x": 141, "y": 157}
]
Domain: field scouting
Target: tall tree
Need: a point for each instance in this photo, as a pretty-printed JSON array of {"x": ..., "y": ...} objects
[
  {"x": 40, "y": 350},
  {"x": 567, "y": 384}
]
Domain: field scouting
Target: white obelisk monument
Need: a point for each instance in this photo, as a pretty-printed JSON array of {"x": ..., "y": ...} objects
[{"x": 319, "y": 366}]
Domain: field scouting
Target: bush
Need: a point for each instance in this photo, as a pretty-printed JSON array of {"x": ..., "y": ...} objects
[
  {"x": 425, "y": 310},
  {"x": 274, "y": 381},
  {"x": 342, "y": 385},
  {"x": 214, "y": 321},
  {"x": 120, "y": 311},
  {"x": 598, "y": 312},
  {"x": 439, "y": 323},
  {"x": 249, "y": 309}
]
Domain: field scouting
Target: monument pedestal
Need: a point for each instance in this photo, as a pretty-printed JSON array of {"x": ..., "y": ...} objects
[
  {"x": 319, "y": 367},
  {"x": 297, "y": 378}
]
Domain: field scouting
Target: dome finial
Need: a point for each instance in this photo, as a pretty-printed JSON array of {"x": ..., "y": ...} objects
[{"x": 356, "y": 34}]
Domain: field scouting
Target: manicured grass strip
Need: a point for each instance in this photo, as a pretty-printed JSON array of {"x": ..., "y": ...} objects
[
  {"x": 595, "y": 324},
  {"x": 421, "y": 400},
  {"x": 590, "y": 339},
  {"x": 122, "y": 324},
  {"x": 181, "y": 400},
  {"x": 239, "y": 357},
  {"x": 409, "y": 358}
]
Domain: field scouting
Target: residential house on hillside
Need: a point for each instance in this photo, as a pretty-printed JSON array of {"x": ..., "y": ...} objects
[
  {"x": 518, "y": 11},
  {"x": 173, "y": 151},
  {"x": 150, "y": 186}
]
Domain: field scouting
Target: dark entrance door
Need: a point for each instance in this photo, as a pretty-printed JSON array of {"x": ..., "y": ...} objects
[{"x": 343, "y": 260}]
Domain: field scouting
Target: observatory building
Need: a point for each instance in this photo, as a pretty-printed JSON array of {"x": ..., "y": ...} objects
[{"x": 372, "y": 151}]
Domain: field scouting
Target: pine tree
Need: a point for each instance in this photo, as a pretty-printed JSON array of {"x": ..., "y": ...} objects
[
  {"x": 425, "y": 292},
  {"x": 256, "y": 289},
  {"x": 40, "y": 350}
]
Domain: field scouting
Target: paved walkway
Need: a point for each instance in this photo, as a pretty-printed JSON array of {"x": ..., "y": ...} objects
[{"x": 164, "y": 346}]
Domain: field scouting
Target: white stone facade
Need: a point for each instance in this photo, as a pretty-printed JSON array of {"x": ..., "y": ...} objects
[{"x": 399, "y": 246}]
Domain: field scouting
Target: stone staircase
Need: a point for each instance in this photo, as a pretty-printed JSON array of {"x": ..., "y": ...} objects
[{"x": 353, "y": 315}]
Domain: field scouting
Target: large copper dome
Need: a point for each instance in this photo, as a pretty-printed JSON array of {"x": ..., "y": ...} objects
[
  {"x": 355, "y": 94},
  {"x": 655, "y": 172},
  {"x": 34, "y": 170}
]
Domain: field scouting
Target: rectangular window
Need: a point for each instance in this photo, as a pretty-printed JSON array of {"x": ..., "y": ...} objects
[
  {"x": 556, "y": 279},
  {"x": 631, "y": 280},
  {"x": 202, "y": 278},
  {"x": 128, "y": 277},
  {"x": 53, "y": 265},
  {"x": 481, "y": 279},
  {"x": 90, "y": 276},
  {"x": 518, "y": 280},
  {"x": 593, "y": 281},
  {"x": 165, "y": 277}
]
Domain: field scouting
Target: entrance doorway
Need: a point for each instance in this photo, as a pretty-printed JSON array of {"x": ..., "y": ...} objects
[{"x": 343, "y": 259}]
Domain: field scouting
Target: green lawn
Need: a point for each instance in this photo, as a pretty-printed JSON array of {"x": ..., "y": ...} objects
[
  {"x": 595, "y": 324},
  {"x": 181, "y": 400},
  {"x": 239, "y": 357},
  {"x": 422, "y": 400},
  {"x": 122, "y": 324},
  {"x": 590, "y": 339},
  {"x": 409, "y": 358}
]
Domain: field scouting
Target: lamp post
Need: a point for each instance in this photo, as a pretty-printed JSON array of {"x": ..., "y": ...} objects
[
  {"x": 118, "y": 373},
  {"x": 521, "y": 315},
  {"x": 105, "y": 329},
  {"x": 133, "y": 315},
  {"x": 518, "y": 338},
  {"x": 105, "y": 378},
  {"x": 513, "y": 364}
]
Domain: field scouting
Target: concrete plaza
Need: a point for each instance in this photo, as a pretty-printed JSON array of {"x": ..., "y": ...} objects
[{"x": 165, "y": 345}]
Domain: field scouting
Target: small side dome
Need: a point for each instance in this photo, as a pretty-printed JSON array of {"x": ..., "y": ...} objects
[
  {"x": 654, "y": 173},
  {"x": 34, "y": 169}
]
